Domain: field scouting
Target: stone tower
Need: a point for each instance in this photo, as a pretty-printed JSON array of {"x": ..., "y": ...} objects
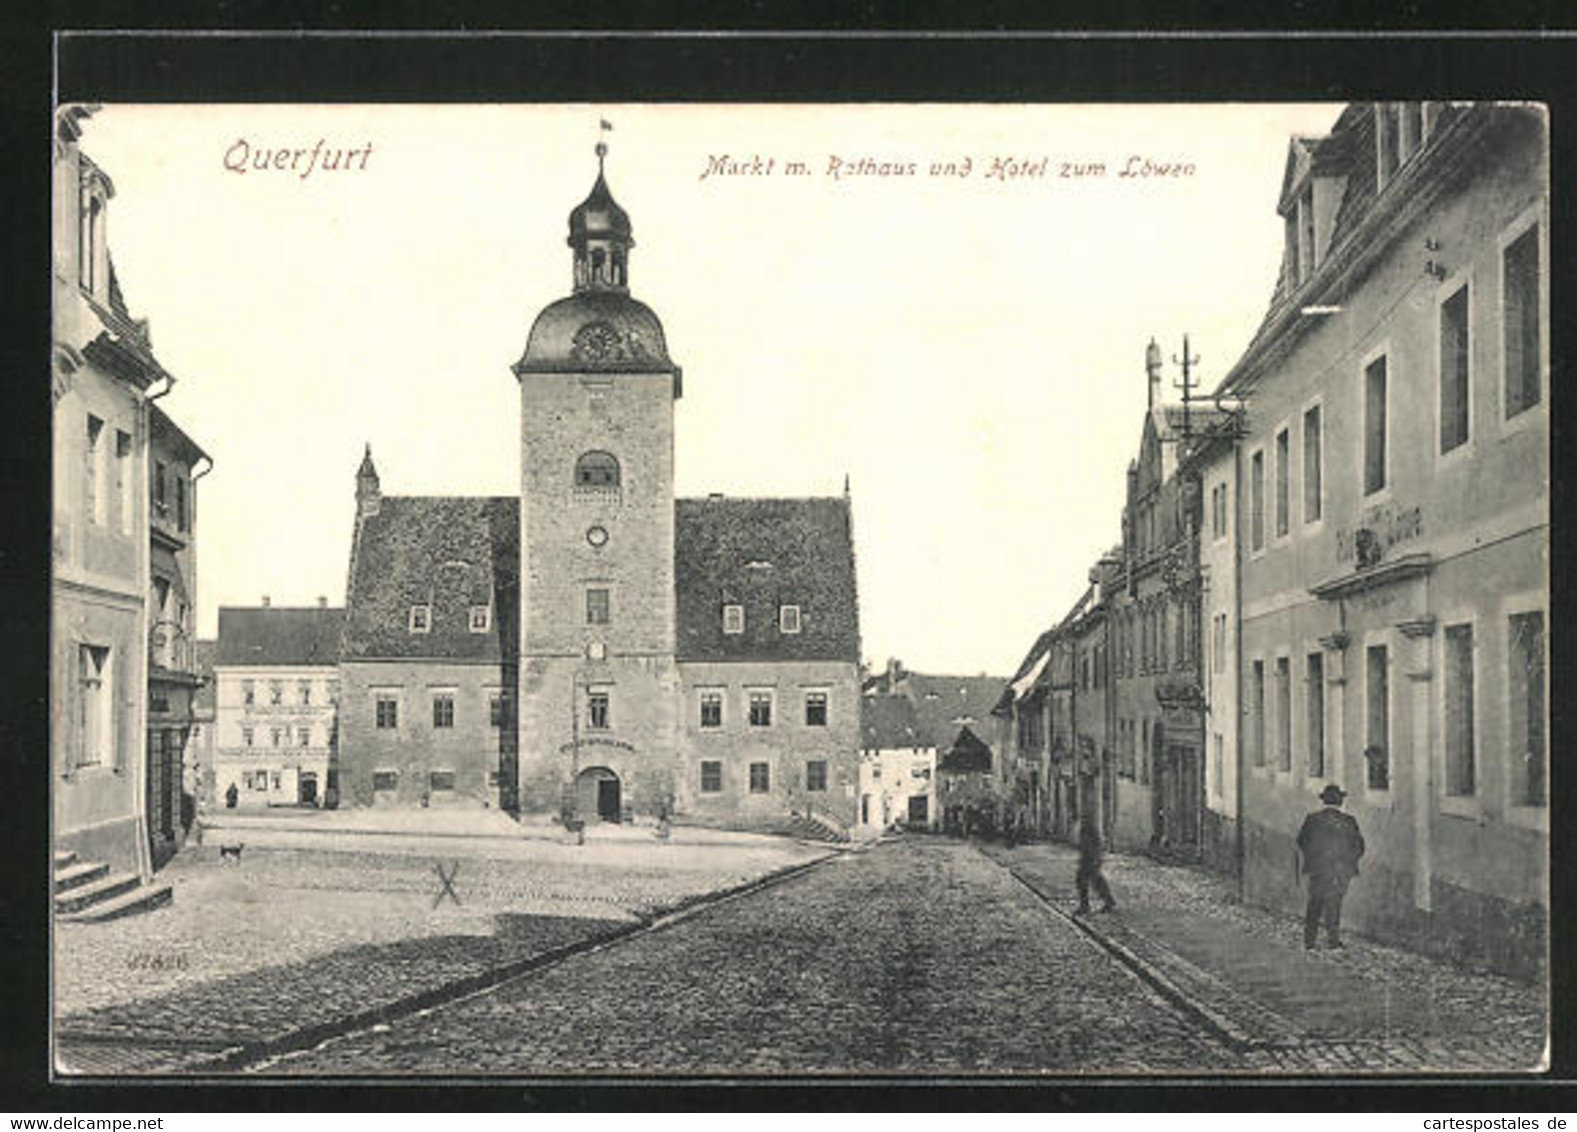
[{"x": 598, "y": 690}]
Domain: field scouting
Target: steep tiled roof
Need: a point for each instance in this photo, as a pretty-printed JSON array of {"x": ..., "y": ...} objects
[
  {"x": 889, "y": 722},
  {"x": 967, "y": 754},
  {"x": 275, "y": 635},
  {"x": 763, "y": 553},
  {"x": 446, "y": 552},
  {"x": 946, "y": 703},
  {"x": 203, "y": 654}
]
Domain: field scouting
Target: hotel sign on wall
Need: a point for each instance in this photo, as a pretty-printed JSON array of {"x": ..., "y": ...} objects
[
  {"x": 565, "y": 748},
  {"x": 1391, "y": 524}
]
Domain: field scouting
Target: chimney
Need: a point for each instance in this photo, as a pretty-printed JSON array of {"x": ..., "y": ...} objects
[
  {"x": 265, "y": 601},
  {"x": 323, "y": 602},
  {"x": 1152, "y": 367}
]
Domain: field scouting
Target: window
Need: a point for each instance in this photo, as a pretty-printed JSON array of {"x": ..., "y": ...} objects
[
  {"x": 88, "y": 244},
  {"x": 276, "y": 736},
  {"x": 815, "y": 709},
  {"x": 1294, "y": 267},
  {"x": 1454, "y": 400},
  {"x": 248, "y": 693},
  {"x": 597, "y": 710},
  {"x": 96, "y": 722},
  {"x": 304, "y": 736},
  {"x": 597, "y": 469},
  {"x": 1377, "y": 683},
  {"x": 1283, "y": 480},
  {"x": 246, "y": 736},
  {"x": 1457, "y": 691},
  {"x": 388, "y": 712},
  {"x": 1307, "y": 252},
  {"x": 1219, "y": 765},
  {"x": 443, "y": 709},
  {"x": 495, "y": 709},
  {"x": 760, "y": 778},
  {"x": 1256, "y": 501},
  {"x": 1283, "y": 713},
  {"x": 816, "y": 776},
  {"x": 440, "y": 781},
  {"x": 304, "y": 691},
  {"x": 276, "y": 692},
  {"x": 385, "y": 780},
  {"x": 161, "y": 506},
  {"x": 180, "y": 503},
  {"x": 123, "y": 479},
  {"x": 597, "y": 612},
  {"x": 92, "y": 503},
  {"x": 711, "y": 776},
  {"x": 1313, "y": 503},
  {"x": 1257, "y": 721},
  {"x": 1386, "y": 142},
  {"x": 761, "y": 709},
  {"x": 1525, "y": 709},
  {"x": 788, "y": 619},
  {"x": 711, "y": 709},
  {"x": 1314, "y": 712},
  {"x": 1374, "y": 380},
  {"x": 733, "y": 619},
  {"x": 1410, "y": 130},
  {"x": 1218, "y": 511},
  {"x": 481, "y": 619},
  {"x": 1521, "y": 312},
  {"x": 421, "y": 619}
]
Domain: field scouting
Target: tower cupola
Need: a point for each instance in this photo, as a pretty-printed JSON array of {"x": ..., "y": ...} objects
[{"x": 599, "y": 233}]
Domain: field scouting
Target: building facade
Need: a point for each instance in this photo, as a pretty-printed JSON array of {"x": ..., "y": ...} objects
[
  {"x": 897, "y": 766},
  {"x": 121, "y": 602},
  {"x": 1392, "y": 526},
  {"x": 174, "y": 676},
  {"x": 275, "y": 731},
  {"x": 1159, "y": 740},
  {"x": 630, "y": 653}
]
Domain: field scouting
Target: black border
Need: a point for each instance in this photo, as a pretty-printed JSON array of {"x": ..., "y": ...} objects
[{"x": 1011, "y": 62}]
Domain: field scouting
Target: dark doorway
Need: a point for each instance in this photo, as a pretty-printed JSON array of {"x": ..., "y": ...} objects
[
  {"x": 919, "y": 809},
  {"x": 307, "y": 789},
  {"x": 597, "y": 792},
  {"x": 608, "y": 799}
]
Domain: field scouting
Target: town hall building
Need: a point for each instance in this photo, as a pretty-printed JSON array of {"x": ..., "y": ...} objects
[{"x": 596, "y": 646}]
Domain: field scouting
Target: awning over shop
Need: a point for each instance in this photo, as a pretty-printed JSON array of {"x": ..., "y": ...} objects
[{"x": 1025, "y": 682}]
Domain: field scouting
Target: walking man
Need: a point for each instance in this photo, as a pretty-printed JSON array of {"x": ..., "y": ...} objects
[
  {"x": 1090, "y": 869},
  {"x": 1331, "y": 846}
]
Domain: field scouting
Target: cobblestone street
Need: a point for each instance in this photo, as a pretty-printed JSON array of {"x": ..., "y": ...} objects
[{"x": 918, "y": 957}]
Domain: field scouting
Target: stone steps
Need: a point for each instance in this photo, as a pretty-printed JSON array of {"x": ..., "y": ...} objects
[
  {"x": 141, "y": 898},
  {"x": 79, "y": 873}
]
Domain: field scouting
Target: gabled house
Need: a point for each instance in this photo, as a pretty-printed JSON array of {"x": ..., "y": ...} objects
[
  {"x": 1388, "y": 507},
  {"x": 276, "y": 676}
]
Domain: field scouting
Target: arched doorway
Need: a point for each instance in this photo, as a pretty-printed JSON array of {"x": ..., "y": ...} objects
[{"x": 597, "y": 792}]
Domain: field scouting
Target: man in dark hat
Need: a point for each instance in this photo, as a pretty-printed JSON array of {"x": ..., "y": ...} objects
[
  {"x": 1089, "y": 871},
  {"x": 1331, "y": 846}
]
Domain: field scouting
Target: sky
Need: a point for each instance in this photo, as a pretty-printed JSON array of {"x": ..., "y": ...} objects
[{"x": 967, "y": 348}]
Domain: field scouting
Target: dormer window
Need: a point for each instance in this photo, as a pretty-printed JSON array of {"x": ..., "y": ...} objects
[
  {"x": 90, "y": 240},
  {"x": 788, "y": 619},
  {"x": 421, "y": 620},
  {"x": 481, "y": 619},
  {"x": 733, "y": 619},
  {"x": 1400, "y": 130}
]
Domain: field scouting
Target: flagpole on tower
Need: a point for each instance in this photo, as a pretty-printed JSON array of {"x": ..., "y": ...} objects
[{"x": 603, "y": 127}]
